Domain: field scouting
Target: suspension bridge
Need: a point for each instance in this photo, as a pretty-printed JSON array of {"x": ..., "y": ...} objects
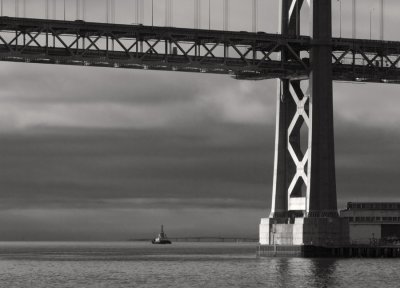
[{"x": 304, "y": 204}]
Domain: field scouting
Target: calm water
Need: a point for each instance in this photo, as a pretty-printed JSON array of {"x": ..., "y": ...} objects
[{"x": 131, "y": 264}]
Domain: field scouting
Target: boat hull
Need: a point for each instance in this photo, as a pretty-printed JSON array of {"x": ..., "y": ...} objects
[{"x": 164, "y": 241}]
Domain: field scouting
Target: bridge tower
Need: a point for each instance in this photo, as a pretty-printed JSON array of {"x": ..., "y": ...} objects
[{"x": 304, "y": 204}]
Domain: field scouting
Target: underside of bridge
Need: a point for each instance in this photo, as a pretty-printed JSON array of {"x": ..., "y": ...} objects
[{"x": 304, "y": 204}]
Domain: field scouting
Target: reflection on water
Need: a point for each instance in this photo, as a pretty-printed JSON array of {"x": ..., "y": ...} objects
[
  {"x": 287, "y": 272},
  {"x": 321, "y": 273},
  {"x": 180, "y": 265}
]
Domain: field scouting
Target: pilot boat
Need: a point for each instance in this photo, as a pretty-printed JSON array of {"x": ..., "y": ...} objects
[{"x": 162, "y": 238}]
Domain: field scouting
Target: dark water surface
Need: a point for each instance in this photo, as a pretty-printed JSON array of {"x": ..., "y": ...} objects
[{"x": 134, "y": 264}]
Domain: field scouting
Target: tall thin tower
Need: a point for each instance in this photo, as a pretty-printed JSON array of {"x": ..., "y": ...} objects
[{"x": 304, "y": 204}]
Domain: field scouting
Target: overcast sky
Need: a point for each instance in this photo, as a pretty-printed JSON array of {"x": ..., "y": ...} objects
[{"x": 106, "y": 154}]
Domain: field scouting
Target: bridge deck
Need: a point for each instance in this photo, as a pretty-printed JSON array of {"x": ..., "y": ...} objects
[{"x": 243, "y": 55}]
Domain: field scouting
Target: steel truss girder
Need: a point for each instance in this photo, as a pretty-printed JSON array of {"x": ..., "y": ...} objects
[
  {"x": 145, "y": 48},
  {"x": 241, "y": 54},
  {"x": 366, "y": 63}
]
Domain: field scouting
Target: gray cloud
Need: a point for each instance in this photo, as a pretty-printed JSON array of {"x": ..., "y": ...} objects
[
  {"x": 60, "y": 97},
  {"x": 84, "y": 166}
]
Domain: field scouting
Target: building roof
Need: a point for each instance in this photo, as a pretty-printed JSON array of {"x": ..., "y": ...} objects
[{"x": 373, "y": 206}]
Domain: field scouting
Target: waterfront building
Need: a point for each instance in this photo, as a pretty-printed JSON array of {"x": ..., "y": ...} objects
[{"x": 373, "y": 222}]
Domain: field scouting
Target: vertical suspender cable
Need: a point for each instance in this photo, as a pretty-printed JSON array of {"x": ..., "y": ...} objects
[
  {"x": 223, "y": 15},
  {"x": 142, "y": 11},
  {"x": 24, "y": 15},
  {"x": 83, "y": 9},
  {"x": 77, "y": 9},
  {"x": 255, "y": 15},
  {"x": 112, "y": 11},
  {"x": 199, "y": 13},
  {"x": 226, "y": 15},
  {"x": 226, "y": 25},
  {"x": 54, "y": 9},
  {"x": 209, "y": 14},
  {"x": 253, "y": 9},
  {"x": 382, "y": 31},
  {"x": 354, "y": 19},
  {"x": 109, "y": 20},
  {"x": 107, "y": 4},
  {"x": 370, "y": 23},
  {"x": 196, "y": 14},
  {"x": 171, "y": 14},
  {"x": 166, "y": 12},
  {"x": 297, "y": 18},
  {"x": 136, "y": 11},
  {"x": 46, "y": 9},
  {"x": 340, "y": 18}
]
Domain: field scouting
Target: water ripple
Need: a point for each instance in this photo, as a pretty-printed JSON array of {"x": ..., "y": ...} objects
[{"x": 219, "y": 265}]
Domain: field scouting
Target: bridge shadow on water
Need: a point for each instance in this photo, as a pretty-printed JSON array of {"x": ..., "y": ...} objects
[{"x": 300, "y": 272}]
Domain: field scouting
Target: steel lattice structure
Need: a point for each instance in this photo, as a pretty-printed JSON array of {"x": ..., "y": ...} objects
[{"x": 243, "y": 55}]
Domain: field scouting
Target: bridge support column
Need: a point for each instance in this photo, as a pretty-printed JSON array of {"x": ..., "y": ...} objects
[{"x": 304, "y": 204}]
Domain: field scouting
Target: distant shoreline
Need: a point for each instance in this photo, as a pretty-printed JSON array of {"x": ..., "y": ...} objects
[{"x": 205, "y": 239}]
